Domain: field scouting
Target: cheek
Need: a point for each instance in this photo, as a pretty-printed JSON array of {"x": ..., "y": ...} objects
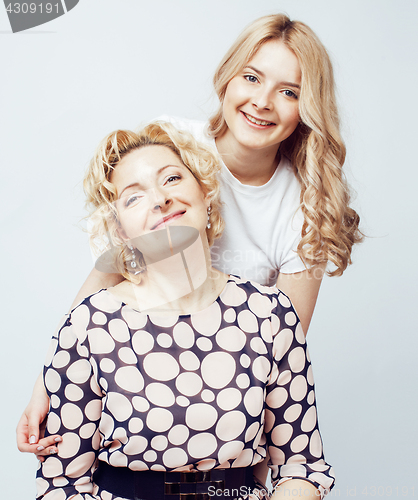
[
  {"x": 291, "y": 115},
  {"x": 233, "y": 96},
  {"x": 131, "y": 222}
]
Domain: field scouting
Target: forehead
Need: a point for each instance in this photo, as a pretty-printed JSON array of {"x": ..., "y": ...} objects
[
  {"x": 277, "y": 59},
  {"x": 146, "y": 161},
  {"x": 153, "y": 156}
]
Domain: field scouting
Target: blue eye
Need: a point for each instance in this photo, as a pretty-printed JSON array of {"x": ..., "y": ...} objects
[
  {"x": 251, "y": 78},
  {"x": 290, "y": 93},
  {"x": 132, "y": 199}
]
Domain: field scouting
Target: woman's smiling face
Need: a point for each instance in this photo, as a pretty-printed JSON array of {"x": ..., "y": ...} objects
[
  {"x": 154, "y": 188},
  {"x": 260, "y": 105}
]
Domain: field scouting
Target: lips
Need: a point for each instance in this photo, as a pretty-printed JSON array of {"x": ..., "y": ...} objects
[
  {"x": 257, "y": 121},
  {"x": 168, "y": 219}
]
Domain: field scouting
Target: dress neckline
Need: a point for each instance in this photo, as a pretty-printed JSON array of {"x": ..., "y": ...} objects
[{"x": 232, "y": 279}]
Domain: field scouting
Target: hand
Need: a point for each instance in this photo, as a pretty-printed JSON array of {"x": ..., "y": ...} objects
[
  {"x": 36, "y": 444},
  {"x": 31, "y": 426}
]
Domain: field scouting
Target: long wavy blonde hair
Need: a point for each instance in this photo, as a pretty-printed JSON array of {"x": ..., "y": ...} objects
[
  {"x": 315, "y": 148},
  {"x": 101, "y": 193}
]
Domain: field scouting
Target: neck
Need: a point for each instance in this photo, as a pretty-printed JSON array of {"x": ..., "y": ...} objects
[
  {"x": 182, "y": 283},
  {"x": 250, "y": 166}
]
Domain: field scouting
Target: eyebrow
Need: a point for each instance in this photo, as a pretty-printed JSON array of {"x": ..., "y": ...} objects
[
  {"x": 288, "y": 84},
  {"x": 134, "y": 184}
]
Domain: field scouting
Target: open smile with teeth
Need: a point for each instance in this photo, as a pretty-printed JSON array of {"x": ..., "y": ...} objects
[{"x": 255, "y": 121}]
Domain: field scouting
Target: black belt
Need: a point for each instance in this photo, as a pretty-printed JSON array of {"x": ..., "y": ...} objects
[{"x": 216, "y": 484}]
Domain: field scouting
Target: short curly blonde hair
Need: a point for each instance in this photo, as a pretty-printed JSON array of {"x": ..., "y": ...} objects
[{"x": 101, "y": 193}]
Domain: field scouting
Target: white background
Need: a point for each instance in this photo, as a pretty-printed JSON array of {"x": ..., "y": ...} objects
[{"x": 110, "y": 64}]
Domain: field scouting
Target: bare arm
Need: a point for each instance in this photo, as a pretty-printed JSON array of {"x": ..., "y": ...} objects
[
  {"x": 29, "y": 434},
  {"x": 262, "y": 471},
  {"x": 296, "y": 489},
  {"x": 303, "y": 289}
]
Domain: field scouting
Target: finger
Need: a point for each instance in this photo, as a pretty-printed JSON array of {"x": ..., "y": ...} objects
[
  {"x": 22, "y": 437},
  {"x": 50, "y": 441},
  {"x": 45, "y": 452},
  {"x": 44, "y": 446},
  {"x": 33, "y": 429}
]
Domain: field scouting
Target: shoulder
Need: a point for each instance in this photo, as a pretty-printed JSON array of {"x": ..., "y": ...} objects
[
  {"x": 265, "y": 303},
  {"x": 262, "y": 300},
  {"x": 285, "y": 180},
  {"x": 93, "y": 309},
  {"x": 197, "y": 128}
]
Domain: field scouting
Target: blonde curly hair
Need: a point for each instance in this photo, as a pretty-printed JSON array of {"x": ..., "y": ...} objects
[
  {"x": 101, "y": 193},
  {"x": 316, "y": 149}
]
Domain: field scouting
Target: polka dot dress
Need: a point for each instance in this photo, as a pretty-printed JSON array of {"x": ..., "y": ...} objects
[{"x": 154, "y": 392}]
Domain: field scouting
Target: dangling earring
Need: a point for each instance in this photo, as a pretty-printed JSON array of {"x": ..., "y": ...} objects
[
  {"x": 134, "y": 265},
  {"x": 209, "y": 225}
]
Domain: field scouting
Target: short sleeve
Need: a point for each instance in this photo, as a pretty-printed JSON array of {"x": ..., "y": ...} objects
[
  {"x": 291, "y": 427},
  {"x": 287, "y": 255},
  {"x": 75, "y": 410}
]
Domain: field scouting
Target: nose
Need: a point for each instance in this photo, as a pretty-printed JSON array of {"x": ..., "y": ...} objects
[
  {"x": 262, "y": 99},
  {"x": 160, "y": 200}
]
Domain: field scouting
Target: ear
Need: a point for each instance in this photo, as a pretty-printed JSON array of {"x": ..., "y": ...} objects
[{"x": 208, "y": 200}]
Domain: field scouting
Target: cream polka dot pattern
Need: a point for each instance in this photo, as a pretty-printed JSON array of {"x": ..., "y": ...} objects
[
  {"x": 164, "y": 340},
  {"x": 52, "y": 380},
  {"x": 159, "y": 394},
  {"x": 207, "y": 395},
  {"x": 107, "y": 365},
  {"x": 129, "y": 378},
  {"x": 61, "y": 359},
  {"x": 161, "y": 366},
  {"x": 243, "y": 381},
  {"x": 159, "y": 443},
  {"x": 230, "y": 315},
  {"x": 230, "y": 450},
  {"x": 189, "y": 383},
  {"x": 202, "y": 445},
  {"x": 119, "y": 330},
  {"x": 229, "y": 398},
  {"x": 189, "y": 361},
  {"x": 231, "y": 338},
  {"x": 55, "y": 401},
  {"x": 247, "y": 321},
  {"x": 99, "y": 318},
  {"x": 178, "y": 434},
  {"x": 127, "y": 355},
  {"x": 184, "y": 335},
  {"x": 215, "y": 388},
  {"x": 204, "y": 344},
  {"x": 200, "y": 416}
]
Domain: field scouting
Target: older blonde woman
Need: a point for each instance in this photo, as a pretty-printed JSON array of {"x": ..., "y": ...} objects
[{"x": 176, "y": 382}]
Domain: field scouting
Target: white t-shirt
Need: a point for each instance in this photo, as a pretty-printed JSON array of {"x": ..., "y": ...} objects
[{"x": 262, "y": 223}]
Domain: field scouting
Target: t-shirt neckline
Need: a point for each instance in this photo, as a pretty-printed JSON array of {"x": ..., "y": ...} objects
[{"x": 248, "y": 188}]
